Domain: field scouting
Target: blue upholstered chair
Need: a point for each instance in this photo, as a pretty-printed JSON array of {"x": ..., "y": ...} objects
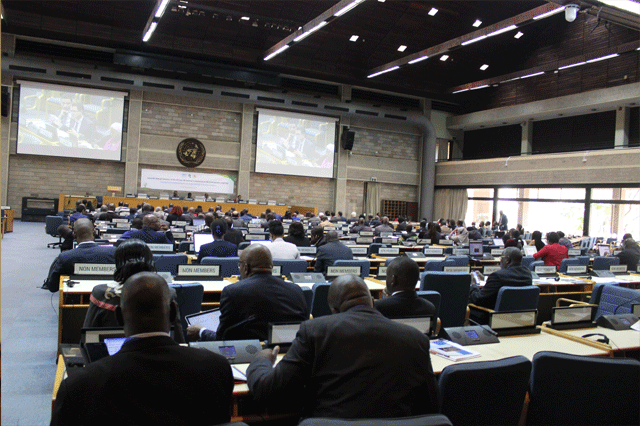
[
  {"x": 243, "y": 245},
  {"x": 602, "y": 263},
  {"x": 517, "y": 298},
  {"x": 185, "y": 246},
  {"x": 308, "y": 297},
  {"x": 502, "y": 384},
  {"x": 532, "y": 265},
  {"x": 363, "y": 263},
  {"x": 454, "y": 291},
  {"x": 189, "y": 300},
  {"x": 319, "y": 304},
  {"x": 580, "y": 390},
  {"x": 616, "y": 300},
  {"x": 291, "y": 265},
  {"x": 567, "y": 262},
  {"x": 433, "y": 297},
  {"x": 457, "y": 261},
  {"x": 425, "y": 420},
  {"x": 51, "y": 227},
  {"x": 527, "y": 260},
  {"x": 228, "y": 265},
  {"x": 374, "y": 247},
  {"x": 434, "y": 265},
  {"x": 169, "y": 262}
]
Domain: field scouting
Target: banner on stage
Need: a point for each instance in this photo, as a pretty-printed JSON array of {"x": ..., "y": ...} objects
[{"x": 186, "y": 181}]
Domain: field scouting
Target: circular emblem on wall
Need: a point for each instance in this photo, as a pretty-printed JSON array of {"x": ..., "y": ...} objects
[{"x": 191, "y": 152}]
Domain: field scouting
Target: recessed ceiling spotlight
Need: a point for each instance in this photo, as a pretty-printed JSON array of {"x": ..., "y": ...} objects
[
  {"x": 444, "y": 57},
  {"x": 484, "y": 67},
  {"x": 382, "y": 1},
  {"x": 518, "y": 34},
  {"x": 353, "y": 38},
  {"x": 245, "y": 18},
  {"x": 477, "y": 23},
  {"x": 402, "y": 48},
  {"x": 433, "y": 11}
]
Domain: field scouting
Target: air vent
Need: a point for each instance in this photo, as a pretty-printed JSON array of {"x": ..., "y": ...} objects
[
  {"x": 380, "y": 98},
  {"x": 197, "y": 90},
  {"x": 57, "y": 51},
  {"x": 158, "y": 85},
  {"x": 27, "y": 69},
  {"x": 446, "y": 107},
  {"x": 73, "y": 74},
  {"x": 371, "y": 113},
  {"x": 264, "y": 98},
  {"x": 309, "y": 86},
  {"x": 235, "y": 95},
  {"x": 333, "y": 108},
  {"x": 304, "y": 104},
  {"x": 117, "y": 80},
  {"x": 395, "y": 117}
]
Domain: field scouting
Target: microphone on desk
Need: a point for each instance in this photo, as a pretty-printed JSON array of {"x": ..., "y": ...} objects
[{"x": 484, "y": 327}]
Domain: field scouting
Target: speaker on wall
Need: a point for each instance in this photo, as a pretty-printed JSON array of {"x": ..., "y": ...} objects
[
  {"x": 347, "y": 138},
  {"x": 6, "y": 99}
]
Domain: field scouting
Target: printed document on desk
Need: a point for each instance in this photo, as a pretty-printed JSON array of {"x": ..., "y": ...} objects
[{"x": 451, "y": 351}]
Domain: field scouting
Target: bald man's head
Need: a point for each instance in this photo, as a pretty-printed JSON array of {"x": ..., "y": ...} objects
[
  {"x": 348, "y": 291},
  {"x": 511, "y": 256},
  {"x": 255, "y": 259},
  {"x": 83, "y": 228},
  {"x": 331, "y": 236},
  {"x": 145, "y": 304},
  {"x": 151, "y": 221}
]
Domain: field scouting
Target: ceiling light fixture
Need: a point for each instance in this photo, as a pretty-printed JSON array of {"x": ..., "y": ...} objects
[
  {"x": 531, "y": 75},
  {"x": 479, "y": 87},
  {"x": 421, "y": 58},
  {"x": 150, "y": 31},
  {"x": 383, "y": 71},
  {"x": 547, "y": 14},
  {"x": 309, "y": 32},
  {"x": 628, "y": 5},
  {"x": 444, "y": 57},
  {"x": 503, "y": 30},
  {"x": 347, "y": 8},
  {"x": 402, "y": 48},
  {"x": 433, "y": 11},
  {"x": 277, "y": 52},
  {"x": 511, "y": 79},
  {"x": 245, "y": 18},
  {"x": 161, "y": 8},
  {"x": 354, "y": 38},
  {"x": 577, "y": 64},
  {"x": 484, "y": 67},
  {"x": 477, "y": 23},
  {"x": 602, "y": 58},
  {"x": 460, "y": 91},
  {"x": 518, "y": 34},
  {"x": 473, "y": 40}
]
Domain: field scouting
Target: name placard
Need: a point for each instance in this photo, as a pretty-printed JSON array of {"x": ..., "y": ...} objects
[
  {"x": 179, "y": 223},
  {"x": 389, "y": 241},
  {"x": 329, "y": 228},
  {"x": 364, "y": 240},
  {"x": 445, "y": 242},
  {"x": 255, "y": 237},
  {"x": 119, "y": 220},
  {"x": 574, "y": 252},
  {"x": 457, "y": 269},
  {"x": 496, "y": 252},
  {"x": 423, "y": 241},
  {"x": 618, "y": 269},
  {"x": 179, "y": 235},
  {"x": 638, "y": 268},
  {"x": 616, "y": 252},
  {"x": 111, "y": 236},
  {"x": 460, "y": 252},
  {"x": 277, "y": 270},
  {"x": 308, "y": 250},
  {"x": 576, "y": 269},
  {"x": 256, "y": 230},
  {"x": 434, "y": 251},
  {"x": 191, "y": 228},
  {"x": 254, "y": 225},
  {"x": 335, "y": 271},
  {"x": 125, "y": 225},
  {"x": 389, "y": 251},
  {"x": 545, "y": 269},
  {"x": 359, "y": 250},
  {"x": 165, "y": 248},
  {"x": 366, "y": 233},
  {"x": 94, "y": 268},
  {"x": 382, "y": 271},
  {"x": 199, "y": 270},
  {"x": 488, "y": 270},
  {"x": 386, "y": 234},
  {"x": 349, "y": 242}
]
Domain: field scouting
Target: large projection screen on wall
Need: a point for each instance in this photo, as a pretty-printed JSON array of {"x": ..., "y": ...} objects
[
  {"x": 67, "y": 121},
  {"x": 295, "y": 144}
]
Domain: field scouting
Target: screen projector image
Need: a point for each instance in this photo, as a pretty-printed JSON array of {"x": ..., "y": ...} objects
[
  {"x": 295, "y": 144},
  {"x": 66, "y": 121}
]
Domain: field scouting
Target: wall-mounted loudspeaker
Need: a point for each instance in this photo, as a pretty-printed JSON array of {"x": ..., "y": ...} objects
[
  {"x": 6, "y": 99},
  {"x": 347, "y": 138}
]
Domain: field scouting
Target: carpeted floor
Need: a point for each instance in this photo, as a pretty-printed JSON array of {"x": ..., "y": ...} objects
[{"x": 29, "y": 326}]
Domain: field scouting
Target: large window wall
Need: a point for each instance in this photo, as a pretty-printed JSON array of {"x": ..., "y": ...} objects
[{"x": 594, "y": 211}]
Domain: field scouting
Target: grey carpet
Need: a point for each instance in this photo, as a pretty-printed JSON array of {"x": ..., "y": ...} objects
[{"x": 29, "y": 326}]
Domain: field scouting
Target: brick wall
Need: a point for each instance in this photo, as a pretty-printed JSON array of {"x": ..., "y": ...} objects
[
  {"x": 48, "y": 177},
  {"x": 292, "y": 190},
  {"x": 388, "y": 191},
  {"x": 380, "y": 143}
]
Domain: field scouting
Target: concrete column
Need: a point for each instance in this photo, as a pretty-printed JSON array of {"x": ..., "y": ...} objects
[
  {"x": 443, "y": 149},
  {"x": 342, "y": 160},
  {"x": 132, "y": 158},
  {"x": 8, "y": 48},
  {"x": 526, "y": 148},
  {"x": 345, "y": 93},
  {"x": 246, "y": 128},
  {"x": 621, "y": 139}
]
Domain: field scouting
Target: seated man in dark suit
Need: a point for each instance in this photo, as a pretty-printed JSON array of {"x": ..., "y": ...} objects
[
  {"x": 384, "y": 226},
  {"x": 232, "y": 235},
  {"x": 353, "y": 364},
  {"x": 151, "y": 380},
  {"x": 87, "y": 251},
  {"x": 219, "y": 247},
  {"x": 248, "y": 306},
  {"x": 150, "y": 232},
  {"x": 360, "y": 227},
  {"x": 511, "y": 274},
  {"x": 79, "y": 214},
  {"x": 402, "y": 301},
  {"x": 330, "y": 252}
]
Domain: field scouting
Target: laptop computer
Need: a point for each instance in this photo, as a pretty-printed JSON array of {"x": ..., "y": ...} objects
[
  {"x": 200, "y": 239},
  {"x": 282, "y": 334},
  {"x": 476, "y": 251},
  {"x": 423, "y": 324},
  {"x": 530, "y": 250},
  {"x": 209, "y": 319}
]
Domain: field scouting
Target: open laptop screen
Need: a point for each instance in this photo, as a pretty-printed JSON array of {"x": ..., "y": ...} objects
[
  {"x": 200, "y": 239},
  {"x": 475, "y": 248}
]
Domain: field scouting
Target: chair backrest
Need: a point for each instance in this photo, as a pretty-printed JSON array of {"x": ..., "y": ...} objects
[
  {"x": 616, "y": 300},
  {"x": 243, "y": 245},
  {"x": 527, "y": 260},
  {"x": 319, "y": 304},
  {"x": 580, "y": 390},
  {"x": 434, "y": 265},
  {"x": 169, "y": 262},
  {"x": 568, "y": 261},
  {"x": 603, "y": 263},
  {"x": 189, "y": 300},
  {"x": 185, "y": 246},
  {"x": 228, "y": 265},
  {"x": 308, "y": 297},
  {"x": 375, "y": 247},
  {"x": 51, "y": 225},
  {"x": 532, "y": 265},
  {"x": 502, "y": 385},
  {"x": 584, "y": 243},
  {"x": 426, "y": 420},
  {"x": 291, "y": 265},
  {"x": 584, "y": 260},
  {"x": 458, "y": 260},
  {"x": 454, "y": 291},
  {"x": 433, "y": 297},
  {"x": 517, "y": 298},
  {"x": 363, "y": 263}
]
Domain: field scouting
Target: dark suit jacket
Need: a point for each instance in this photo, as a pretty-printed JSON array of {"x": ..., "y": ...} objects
[
  {"x": 328, "y": 253},
  {"x": 219, "y": 248},
  {"x": 150, "y": 381},
  {"x": 149, "y": 236},
  {"x": 88, "y": 252},
  {"x": 486, "y": 296},
  {"x": 405, "y": 304},
  {"x": 263, "y": 296},
  {"x": 630, "y": 257},
  {"x": 234, "y": 236},
  {"x": 357, "y": 364},
  {"x": 299, "y": 242}
]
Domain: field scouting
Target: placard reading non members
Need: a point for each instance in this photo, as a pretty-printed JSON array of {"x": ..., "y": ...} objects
[
  {"x": 335, "y": 271},
  {"x": 617, "y": 269},
  {"x": 433, "y": 251},
  {"x": 199, "y": 270},
  {"x": 307, "y": 250},
  {"x": 456, "y": 269},
  {"x": 574, "y": 252},
  {"x": 546, "y": 269},
  {"x": 186, "y": 181},
  {"x": 359, "y": 250},
  {"x": 94, "y": 268},
  {"x": 488, "y": 270},
  {"x": 576, "y": 269},
  {"x": 389, "y": 251}
]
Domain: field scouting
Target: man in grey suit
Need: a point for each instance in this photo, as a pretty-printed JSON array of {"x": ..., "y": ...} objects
[
  {"x": 353, "y": 364},
  {"x": 330, "y": 252}
]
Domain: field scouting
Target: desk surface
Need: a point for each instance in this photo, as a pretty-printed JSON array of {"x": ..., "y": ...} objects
[{"x": 619, "y": 340}]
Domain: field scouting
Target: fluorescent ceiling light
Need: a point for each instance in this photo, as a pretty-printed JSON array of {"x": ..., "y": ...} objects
[
  {"x": 511, "y": 79},
  {"x": 473, "y": 40},
  {"x": 477, "y": 23},
  {"x": 354, "y": 38},
  {"x": 161, "y": 8},
  {"x": 444, "y": 57},
  {"x": 532, "y": 75},
  {"x": 245, "y": 18},
  {"x": 628, "y": 5},
  {"x": 150, "y": 31},
  {"x": 602, "y": 58},
  {"x": 504, "y": 30},
  {"x": 277, "y": 52},
  {"x": 383, "y": 71},
  {"x": 422, "y": 58},
  {"x": 433, "y": 11},
  {"x": 460, "y": 91},
  {"x": 382, "y": 1},
  {"x": 518, "y": 34},
  {"x": 308, "y": 32},
  {"x": 550, "y": 13},
  {"x": 402, "y": 48},
  {"x": 484, "y": 67},
  {"x": 479, "y": 87},
  {"x": 347, "y": 8},
  {"x": 572, "y": 65}
]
